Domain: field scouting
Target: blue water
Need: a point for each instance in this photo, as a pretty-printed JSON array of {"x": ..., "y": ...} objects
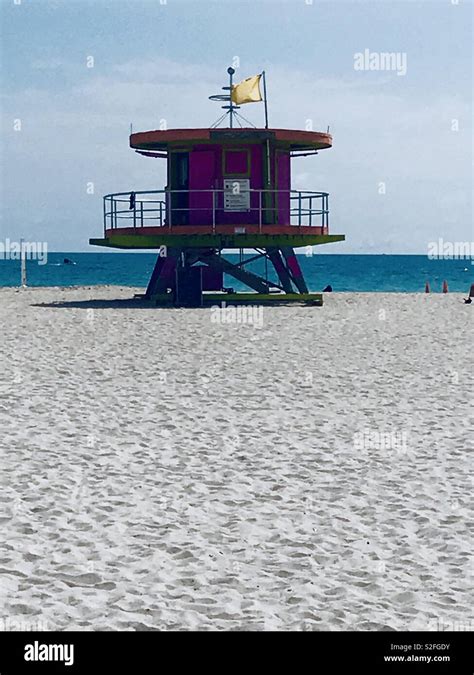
[{"x": 399, "y": 273}]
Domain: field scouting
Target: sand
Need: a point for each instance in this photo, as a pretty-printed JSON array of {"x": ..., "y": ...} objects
[{"x": 160, "y": 470}]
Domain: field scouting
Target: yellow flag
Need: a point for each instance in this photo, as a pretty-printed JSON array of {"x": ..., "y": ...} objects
[{"x": 247, "y": 91}]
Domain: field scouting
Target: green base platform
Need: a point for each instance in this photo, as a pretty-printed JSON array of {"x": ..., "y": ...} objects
[
  {"x": 212, "y": 299},
  {"x": 217, "y": 241}
]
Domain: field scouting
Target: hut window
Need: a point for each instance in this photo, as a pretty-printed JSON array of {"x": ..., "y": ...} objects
[{"x": 236, "y": 162}]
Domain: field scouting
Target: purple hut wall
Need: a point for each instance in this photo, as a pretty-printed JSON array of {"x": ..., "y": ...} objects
[
  {"x": 207, "y": 172},
  {"x": 202, "y": 170}
]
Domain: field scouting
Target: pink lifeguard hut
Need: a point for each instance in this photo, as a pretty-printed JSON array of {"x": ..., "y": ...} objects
[{"x": 228, "y": 189}]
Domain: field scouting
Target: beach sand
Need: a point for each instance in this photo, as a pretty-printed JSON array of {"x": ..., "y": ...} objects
[{"x": 160, "y": 470}]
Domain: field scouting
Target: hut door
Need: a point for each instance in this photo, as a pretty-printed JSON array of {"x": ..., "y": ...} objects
[
  {"x": 201, "y": 184},
  {"x": 283, "y": 187},
  {"x": 179, "y": 184}
]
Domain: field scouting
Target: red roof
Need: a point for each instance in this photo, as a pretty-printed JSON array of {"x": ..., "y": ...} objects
[{"x": 293, "y": 139}]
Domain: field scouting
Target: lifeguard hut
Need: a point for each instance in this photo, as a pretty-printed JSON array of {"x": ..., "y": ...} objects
[{"x": 228, "y": 189}]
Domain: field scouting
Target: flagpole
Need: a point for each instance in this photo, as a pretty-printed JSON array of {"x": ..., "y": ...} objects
[
  {"x": 265, "y": 98},
  {"x": 267, "y": 196}
]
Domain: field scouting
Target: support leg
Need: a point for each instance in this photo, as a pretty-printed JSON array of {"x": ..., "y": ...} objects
[
  {"x": 164, "y": 273},
  {"x": 280, "y": 268},
  {"x": 294, "y": 268}
]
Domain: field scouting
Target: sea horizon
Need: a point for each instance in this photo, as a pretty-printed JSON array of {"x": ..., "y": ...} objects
[{"x": 344, "y": 272}]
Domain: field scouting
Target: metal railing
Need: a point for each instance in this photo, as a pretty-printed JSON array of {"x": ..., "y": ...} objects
[{"x": 166, "y": 208}]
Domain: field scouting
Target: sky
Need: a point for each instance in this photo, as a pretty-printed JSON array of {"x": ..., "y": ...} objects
[{"x": 76, "y": 73}]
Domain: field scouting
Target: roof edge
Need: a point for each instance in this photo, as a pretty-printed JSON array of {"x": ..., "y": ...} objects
[{"x": 161, "y": 139}]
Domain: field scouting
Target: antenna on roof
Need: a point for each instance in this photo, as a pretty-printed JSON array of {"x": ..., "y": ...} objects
[
  {"x": 226, "y": 98},
  {"x": 231, "y": 108}
]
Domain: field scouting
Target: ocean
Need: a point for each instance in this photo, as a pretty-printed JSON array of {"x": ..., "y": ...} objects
[{"x": 347, "y": 273}]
